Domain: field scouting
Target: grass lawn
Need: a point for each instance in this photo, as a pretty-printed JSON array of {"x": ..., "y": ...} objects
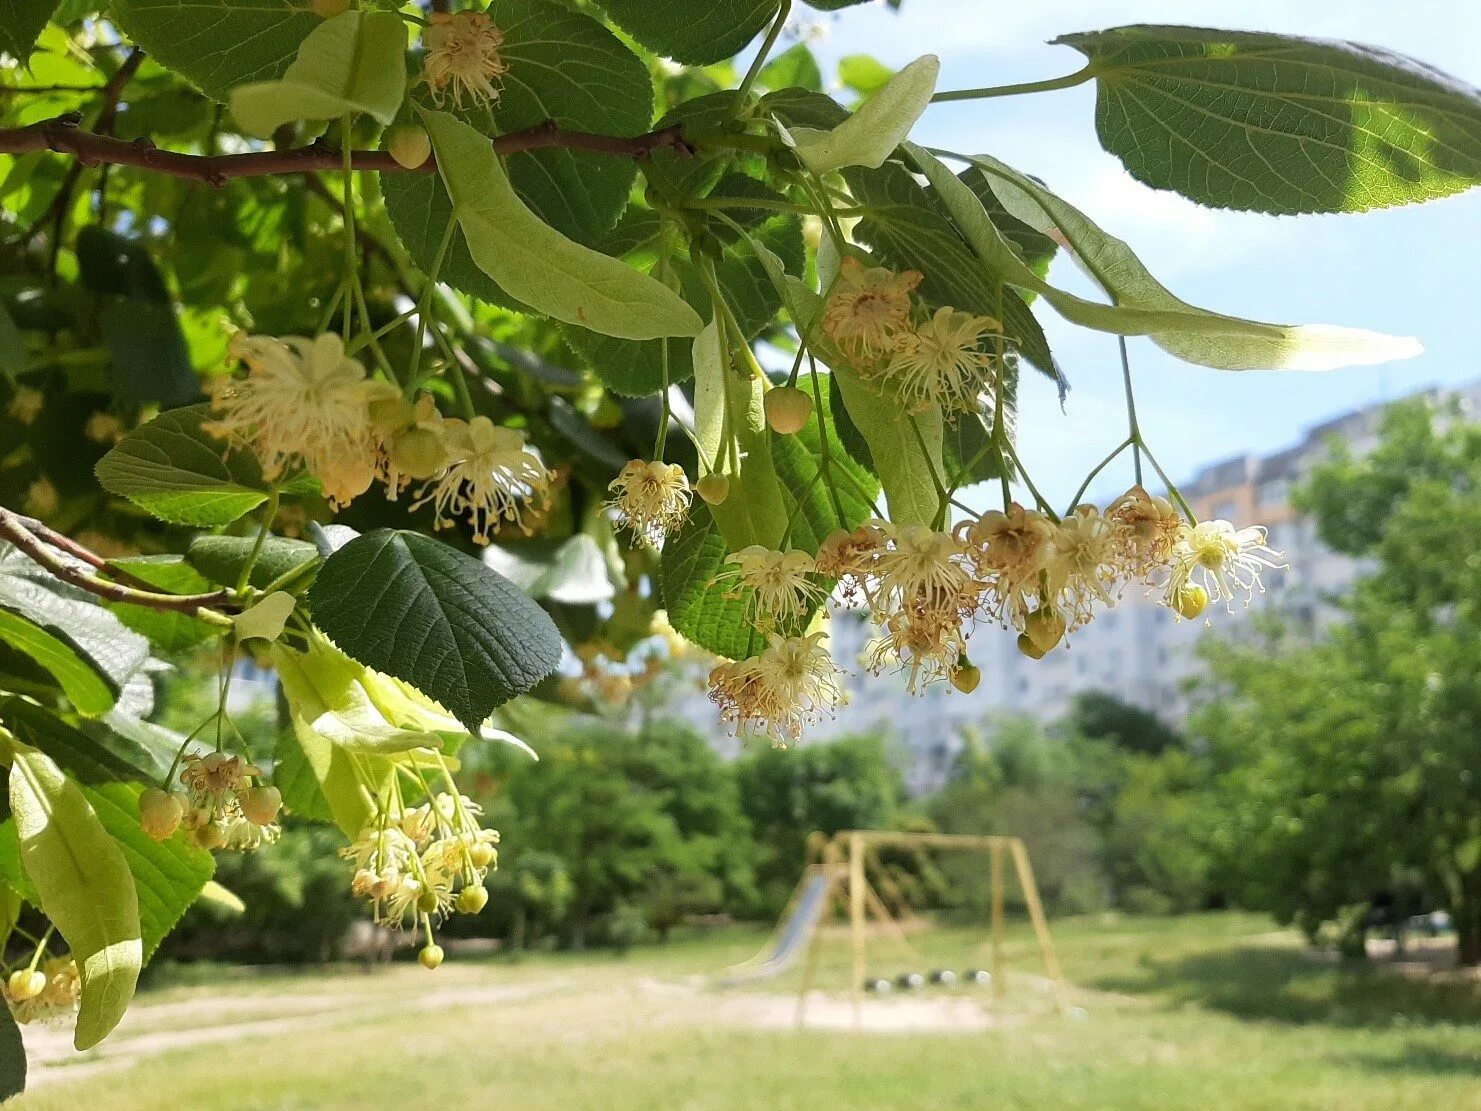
[{"x": 1206, "y": 1011}]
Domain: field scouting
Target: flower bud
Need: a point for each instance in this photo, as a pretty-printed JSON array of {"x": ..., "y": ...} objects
[
  {"x": 430, "y": 956},
  {"x": 787, "y": 410},
  {"x": 1045, "y": 628},
  {"x": 408, "y": 144},
  {"x": 1190, "y": 601},
  {"x": 328, "y": 9},
  {"x": 714, "y": 488},
  {"x": 427, "y": 902},
  {"x": 1029, "y": 648},
  {"x": 25, "y": 984},
  {"x": 260, "y": 805},
  {"x": 209, "y": 837},
  {"x": 390, "y": 413},
  {"x": 481, "y": 854},
  {"x": 472, "y": 899},
  {"x": 418, "y": 453},
  {"x": 160, "y": 813},
  {"x": 965, "y": 677}
]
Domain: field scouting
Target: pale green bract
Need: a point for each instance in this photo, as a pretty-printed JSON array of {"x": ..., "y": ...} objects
[
  {"x": 349, "y": 64},
  {"x": 880, "y": 124},
  {"x": 537, "y": 265},
  {"x": 1142, "y": 305},
  {"x": 266, "y": 617},
  {"x": 726, "y": 404},
  {"x": 85, "y": 888}
]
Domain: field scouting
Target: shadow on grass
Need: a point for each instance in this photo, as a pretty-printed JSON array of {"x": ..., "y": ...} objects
[
  {"x": 1288, "y": 985},
  {"x": 1417, "y": 1057}
]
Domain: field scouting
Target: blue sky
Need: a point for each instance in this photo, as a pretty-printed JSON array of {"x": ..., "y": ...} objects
[{"x": 1408, "y": 271}]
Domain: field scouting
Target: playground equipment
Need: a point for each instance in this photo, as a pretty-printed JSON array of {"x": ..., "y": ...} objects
[{"x": 842, "y": 874}]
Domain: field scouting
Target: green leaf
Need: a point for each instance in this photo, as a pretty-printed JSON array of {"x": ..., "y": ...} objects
[
  {"x": 151, "y": 362},
  {"x": 83, "y": 881},
  {"x": 64, "y": 630},
  {"x": 173, "y": 468},
  {"x": 221, "y": 558},
  {"x": 168, "y": 875},
  {"x": 695, "y": 34},
  {"x": 219, "y": 44},
  {"x": 536, "y": 264},
  {"x": 729, "y": 392},
  {"x": 879, "y": 125},
  {"x": 168, "y": 631},
  {"x": 91, "y": 757},
  {"x": 12, "y": 1051},
  {"x": 21, "y": 22},
  {"x": 798, "y": 460},
  {"x": 792, "y": 68},
  {"x": 697, "y": 607},
  {"x": 1143, "y": 306},
  {"x": 355, "y": 62},
  {"x": 12, "y": 347},
  {"x": 425, "y": 613},
  {"x": 864, "y": 74},
  {"x": 1280, "y": 124}
]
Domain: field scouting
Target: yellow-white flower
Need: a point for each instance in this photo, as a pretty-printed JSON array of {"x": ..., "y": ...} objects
[
  {"x": 1147, "y": 528},
  {"x": 1221, "y": 559},
  {"x": 926, "y": 567},
  {"x": 1009, "y": 550},
  {"x": 494, "y": 477},
  {"x": 103, "y": 428},
  {"x": 26, "y": 405},
  {"x": 791, "y": 684},
  {"x": 942, "y": 362},
  {"x": 783, "y": 584},
  {"x": 869, "y": 309},
  {"x": 463, "y": 54},
  {"x": 1082, "y": 565},
  {"x": 852, "y": 557},
  {"x": 57, "y": 1000},
  {"x": 650, "y": 498},
  {"x": 301, "y": 399}
]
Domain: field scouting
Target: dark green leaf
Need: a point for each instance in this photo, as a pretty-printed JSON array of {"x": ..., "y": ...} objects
[
  {"x": 12, "y": 1056},
  {"x": 100, "y": 756},
  {"x": 798, "y": 460},
  {"x": 168, "y": 631},
  {"x": 1280, "y": 124},
  {"x": 12, "y": 347},
  {"x": 697, "y": 607},
  {"x": 221, "y": 558},
  {"x": 176, "y": 470},
  {"x": 695, "y": 34},
  {"x": 20, "y": 22},
  {"x": 151, "y": 363},
  {"x": 417, "y": 609}
]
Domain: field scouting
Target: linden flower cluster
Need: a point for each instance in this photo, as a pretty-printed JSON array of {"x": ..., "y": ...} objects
[
  {"x": 939, "y": 360},
  {"x": 428, "y": 860},
  {"x": 45, "y": 993},
  {"x": 307, "y": 403},
  {"x": 924, "y": 590},
  {"x": 651, "y": 499},
  {"x": 222, "y": 807},
  {"x": 463, "y": 56}
]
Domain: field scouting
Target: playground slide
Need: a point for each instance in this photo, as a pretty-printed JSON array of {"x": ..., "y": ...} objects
[{"x": 790, "y": 939}]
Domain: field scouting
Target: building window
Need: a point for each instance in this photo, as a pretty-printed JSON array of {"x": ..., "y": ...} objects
[
  {"x": 1275, "y": 491},
  {"x": 1226, "y": 510}
]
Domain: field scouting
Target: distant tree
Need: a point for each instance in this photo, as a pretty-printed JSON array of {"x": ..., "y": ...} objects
[
  {"x": 1353, "y": 763},
  {"x": 1099, "y": 714},
  {"x": 790, "y": 793}
]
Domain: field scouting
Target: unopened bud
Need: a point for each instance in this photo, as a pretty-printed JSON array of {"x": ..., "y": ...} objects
[
  {"x": 1045, "y": 629},
  {"x": 1190, "y": 601},
  {"x": 260, "y": 805},
  {"x": 1029, "y": 648},
  {"x": 787, "y": 410},
  {"x": 209, "y": 837},
  {"x": 25, "y": 984},
  {"x": 472, "y": 899},
  {"x": 713, "y": 488},
  {"x": 160, "y": 813},
  {"x": 418, "y": 453},
  {"x": 966, "y": 677},
  {"x": 481, "y": 854},
  {"x": 427, "y": 902},
  {"x": 409, "y": 145},
  {"x": 430, "y": 956}
]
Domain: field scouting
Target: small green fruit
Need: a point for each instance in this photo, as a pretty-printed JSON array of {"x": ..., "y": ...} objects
[
  {"x": 418, "y": 453},
  {"x": 427, "y": 902},
  {"x": 1190, "y": 601},
  {"x": 481, "y": 854},
  {"x": 430, "y": 956},
  {"x": 260, "y": 805},
  {"x": 1029, "y": 648},
  {"x": 25, "y": 985},
  {"x": 713, "y": 488},
  {"x": 966, "y": 677},
  {"x": 160, "y": 813},
  {"x": 787, "y": 410},
  {"x": 409, "y": 145},
  {"x": 472, "y": 899}
]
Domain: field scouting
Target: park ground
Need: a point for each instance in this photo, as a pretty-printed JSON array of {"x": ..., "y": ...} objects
[{"x": 1199, "y": 1011}]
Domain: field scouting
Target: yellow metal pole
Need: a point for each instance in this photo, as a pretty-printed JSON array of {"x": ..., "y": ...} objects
[
  {"x": 856, "y": 919},
  {"x": 1036, "y": 915},
  {"x": 996, "y": 853}
]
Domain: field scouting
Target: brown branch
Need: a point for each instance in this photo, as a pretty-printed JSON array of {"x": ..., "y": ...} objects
[
  {"x": 63, "y": 136},
  {"x": 13, "y": 528}
]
